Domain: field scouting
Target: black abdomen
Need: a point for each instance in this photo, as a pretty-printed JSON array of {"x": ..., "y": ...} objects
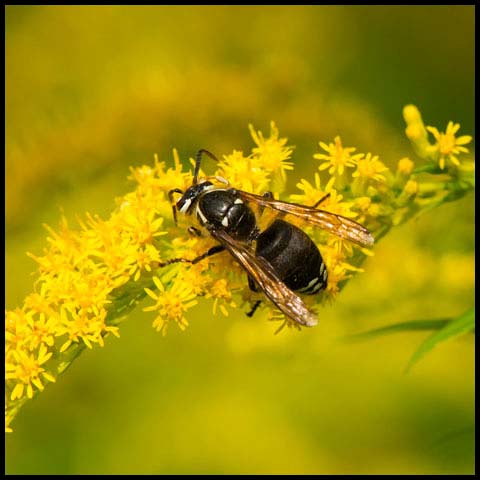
[{"x": 294, "y": 257}]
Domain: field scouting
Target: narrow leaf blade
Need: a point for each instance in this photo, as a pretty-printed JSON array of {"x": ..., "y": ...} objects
[
  {"x": 463, "y": 324},
  {"x": 410, "y": 326}
]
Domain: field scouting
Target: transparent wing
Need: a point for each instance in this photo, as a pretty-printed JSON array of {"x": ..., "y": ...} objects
[
  {"x": 266, "y": 278},
  {"x": 340, "y": 226}
]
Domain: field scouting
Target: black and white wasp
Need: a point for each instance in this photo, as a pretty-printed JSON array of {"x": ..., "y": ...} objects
[{"x": 284, "y": 259}]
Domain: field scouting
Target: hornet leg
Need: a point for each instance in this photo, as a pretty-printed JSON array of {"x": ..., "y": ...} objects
[
  {"x": 212, "y": 251},
  {"x": 174, "y": 208},
  {"x": 254, "y": 308},
  {"x": 321, "y": 200}
]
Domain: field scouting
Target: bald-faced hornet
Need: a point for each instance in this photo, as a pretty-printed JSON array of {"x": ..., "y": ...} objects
[{"x": 285, "y": 259}]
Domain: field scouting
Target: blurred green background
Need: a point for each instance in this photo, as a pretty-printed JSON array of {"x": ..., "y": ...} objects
[{"x": 93, "y": 90}]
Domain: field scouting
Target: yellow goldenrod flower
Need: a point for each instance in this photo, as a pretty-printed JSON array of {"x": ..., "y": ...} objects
[
  {"x": 370, "y": 168},
  {"x": 415, "y": 130},
  {"x": 448, "y": 146},
  {"x": 338, "y": 158},
  {"x": 244, "y": 172},
  {"x": 24, "y": 369},
  {"x": 17, "y": 328},
  {"x": 222, "y": 292},
  {"x": 334, "y": 202},
  {"x": 82, "y": 325},
  {"x": 363, "y": 203},
  {"x": 411, "y": 187},
  {"x": 311, "y": 193},
  {"x": 272, "y": 153},
  {"x": 43, "y": 330},
  {"x": 171, "y": 304},
  {"x": 415, "y": 127},
  {"x": 145, "y": 258},
  {"x": 405, "y": 166},
  {"x": 336, "y": 274},
  {"x": 160, "y": 179}
]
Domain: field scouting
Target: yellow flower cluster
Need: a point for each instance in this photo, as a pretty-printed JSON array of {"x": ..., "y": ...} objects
[
  {"x": 362, "y": 187},
  {"x": 354, "y": 181},
  {"x": 79, "y": 287},
  {"x": 447, "y": 146},
  {"x": 89, "y": 278}
]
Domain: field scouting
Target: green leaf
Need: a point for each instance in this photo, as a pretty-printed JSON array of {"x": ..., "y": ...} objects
[
  {"x": 446, "y": 328},
  {"x": 463, "y": 324},
  {"x": 400, "y": 327}
]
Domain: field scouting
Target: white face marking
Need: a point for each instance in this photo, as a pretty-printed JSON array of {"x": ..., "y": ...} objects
[
  {"x": 322, "y": 268},
  {"x": 317, "y": 287},
  {"x": 324, "y": 275},
  {"x": 225, "y": 221},
  {"x": 186, "y": 205},
  {"x": 208, "y": 187},
  {"x": 309, "y": 286},
  {"x": 201, "y": 215},
  {"x": 238, "y": 201}
]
